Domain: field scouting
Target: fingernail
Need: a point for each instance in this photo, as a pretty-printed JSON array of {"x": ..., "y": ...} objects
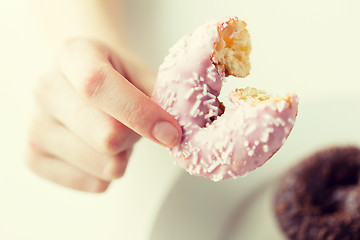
[{"x": 166, "y": 133}]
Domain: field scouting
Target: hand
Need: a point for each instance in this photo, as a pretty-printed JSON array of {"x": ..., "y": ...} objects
[{"x": 90, "y": 112}]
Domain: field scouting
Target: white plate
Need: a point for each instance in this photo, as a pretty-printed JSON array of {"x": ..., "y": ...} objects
[{"x": 197, "y": 208}]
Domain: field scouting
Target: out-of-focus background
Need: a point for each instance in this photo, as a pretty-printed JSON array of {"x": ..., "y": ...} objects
[{"x": 310, "y": 47}]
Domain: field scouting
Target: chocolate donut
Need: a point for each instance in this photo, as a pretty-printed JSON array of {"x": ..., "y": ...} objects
[{"x": 320, "y": 197}]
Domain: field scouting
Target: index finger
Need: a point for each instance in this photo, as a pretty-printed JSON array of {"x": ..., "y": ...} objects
[{"x": 87, "y": 67}]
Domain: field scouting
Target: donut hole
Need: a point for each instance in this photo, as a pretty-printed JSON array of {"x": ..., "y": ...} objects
[
  {"x": 332, "y": 180},
  {"x": 233, "y": 48},
  {"x": 343, "y": 178},
  {"x": 344, "y": 175}
]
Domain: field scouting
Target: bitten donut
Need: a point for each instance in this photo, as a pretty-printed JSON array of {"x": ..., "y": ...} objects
[
  {"x": 220, "y": 143},
  {"x": 319, "y": 199}
]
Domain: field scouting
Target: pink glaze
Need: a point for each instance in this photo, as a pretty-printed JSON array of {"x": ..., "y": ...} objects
[{"x": 213, "y": 146}]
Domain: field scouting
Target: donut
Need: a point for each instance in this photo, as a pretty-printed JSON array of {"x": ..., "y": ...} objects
[
  {"x": 320, "y": 197},
  {"x": 218, "y": 142}
]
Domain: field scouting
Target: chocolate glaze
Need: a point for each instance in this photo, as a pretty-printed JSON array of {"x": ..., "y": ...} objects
[{"x": 320, "y": 197}]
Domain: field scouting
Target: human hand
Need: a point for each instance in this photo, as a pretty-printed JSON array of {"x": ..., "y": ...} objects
[{"x": 89, "y": 113}]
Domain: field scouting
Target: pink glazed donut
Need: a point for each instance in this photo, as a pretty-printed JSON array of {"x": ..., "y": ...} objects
[{"x": 220, "y": 143}]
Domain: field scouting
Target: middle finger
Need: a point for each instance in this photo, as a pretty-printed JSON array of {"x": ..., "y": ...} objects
[
  {"x": 55, "y": 139},
  {"x": 102, "y": 132}
]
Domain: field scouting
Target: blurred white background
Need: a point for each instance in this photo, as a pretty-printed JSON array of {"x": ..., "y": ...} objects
[{"x": 310, "y": 47}]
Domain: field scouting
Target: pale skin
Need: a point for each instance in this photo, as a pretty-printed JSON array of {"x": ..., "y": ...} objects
[{"x": 94, "y": 104}]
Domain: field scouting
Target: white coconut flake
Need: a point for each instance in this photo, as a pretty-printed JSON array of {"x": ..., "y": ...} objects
[
  {"x": 227, "y": 153},
  {"x": 281, "y": 106},
  {"x": 185, "y": 125},
  {"x": 281, "y": 122},
  {"x": 188, "y": 132},
  {"x": 194, "y": 108},
  {"x": 266, "y": 148},
  {"x": 195, "y": 158},
  {"x": 267, "y": 116},
  {"x": 215, "y": 108},
  {"x": 204, "y": 163},
  {"x": 232, "y": 174},
  {"x": 212, "y": 77},
  {"x": 205, "y": 89},
  {"x": 191, "y": 169},
  {"x": 269, "y": 130},
  {"x": 197, "y": 112},
  {"x": 189, "y": 93},
  {"x": 186, "y": 154},
  {"x": 217, "y": 178},
  {"x": 197, "y": 169},
  {"x": 216, "y": 154},
  {"x": 213, "y": 166},
  {"x": 192, "y": 82},
  {"x": 171, "y": 99},
  {"x": 265, "y": 137},
  {"x": 210, "y": 114},
  {"x": 207, "y": 102},
  {"x": 250, "y": 129},
  {"x": 251, "y": 152},
  {"x": 210, "y": 95},
  {"x": 286, "y": 130},
  {"x": 211, "y": 68}
]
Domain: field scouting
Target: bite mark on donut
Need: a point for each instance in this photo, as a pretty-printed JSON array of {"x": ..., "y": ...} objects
[
  {"x": 231, "y": 57},
  {"x": 256, "y": 96},
  {"x": 232, "y": 50}
]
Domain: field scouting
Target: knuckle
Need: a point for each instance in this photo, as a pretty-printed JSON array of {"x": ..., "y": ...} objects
[
  {"x": 92, "y": 80},
  {"x": 100, "y": 187},
  {"x": 116, "y": 166},
  {"x": 92, "y": 75},
  {"x": 113, "y": 138},
  {"x": 111, "y": 143}
]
